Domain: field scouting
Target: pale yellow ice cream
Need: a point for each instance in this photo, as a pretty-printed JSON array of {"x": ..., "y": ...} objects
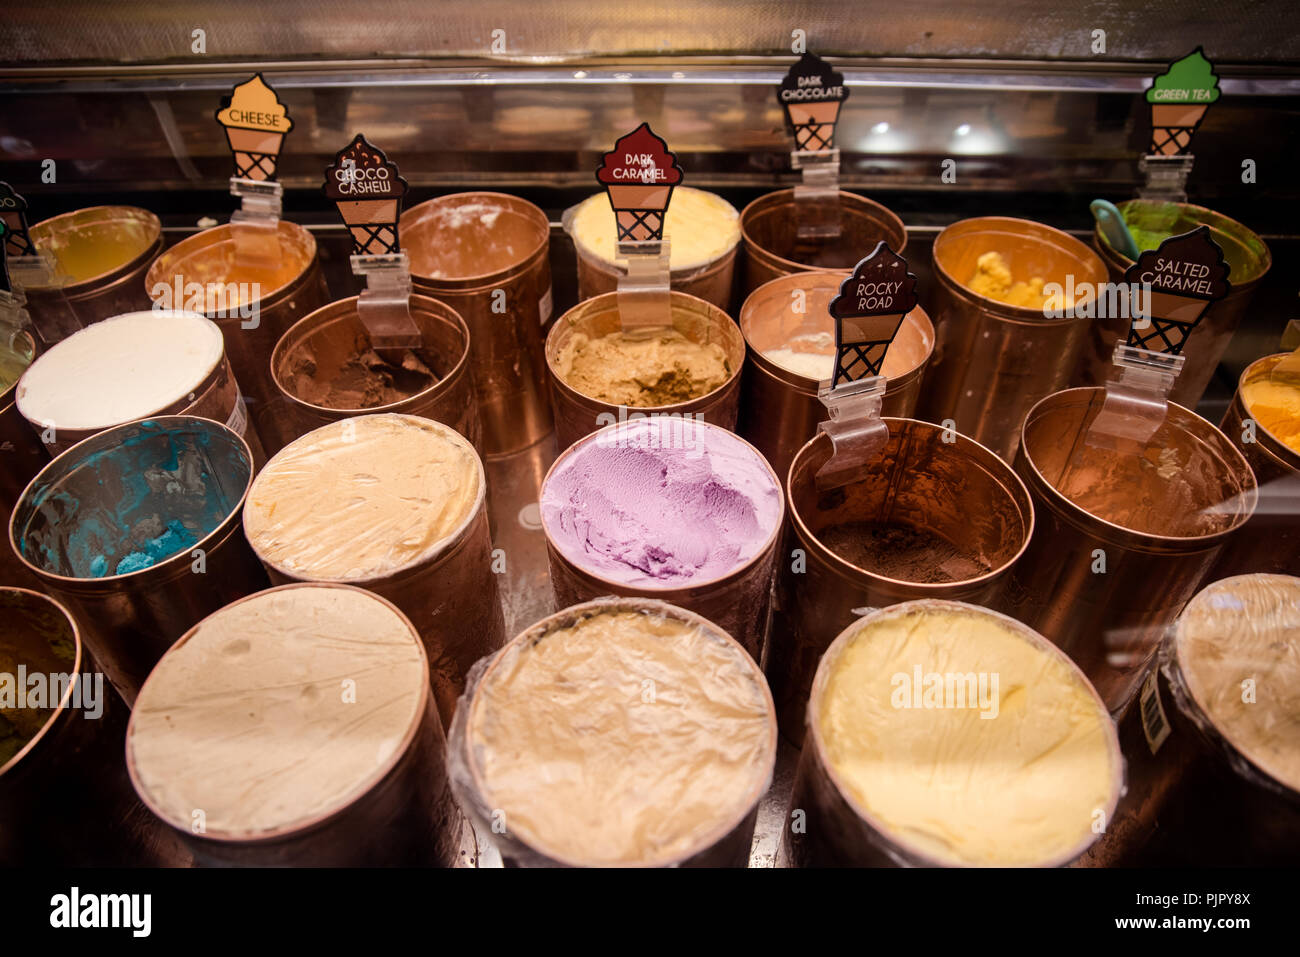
[
  {"x": 1240, "y": 630},
  {"x": 993, "y": 279},
  {"x": 642, "y": 370},
  {"x": 276, "y": 711},
  {"x": 700, "y": 226},
  {"x": 362, "y": 497},
  {"x": 1022, "y": 786},
  {"x": 624, "y": 739}
]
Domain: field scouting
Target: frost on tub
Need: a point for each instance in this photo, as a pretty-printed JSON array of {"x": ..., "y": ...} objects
[{"x": 113, "y": 511}]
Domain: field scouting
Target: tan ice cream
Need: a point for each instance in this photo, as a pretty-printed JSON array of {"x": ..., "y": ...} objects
[
  {"x": 1014, "y": 775},
  {"x": 643, "y": 370},
  {"x": 626, "y": 738},
  {"x": 700, "y": 226},
  {"x": 362, "y": 497},
  {"x": 251, "y": 719},
  {"x": 1239, "y": 629}
]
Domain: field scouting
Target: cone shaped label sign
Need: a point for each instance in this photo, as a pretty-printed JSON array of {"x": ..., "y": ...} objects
[
  {"x": 811, "y": 95},
  {"x": 368, "y": 191},
  {"x": 1186, "y": 273},
  {"x": 256, "y": 122},
  {"x": 868, "y": 311},
  {"x": 13, "y": 213},
  {"x": 639, "y": 174},
  {"x": 1178, "y": 99}
]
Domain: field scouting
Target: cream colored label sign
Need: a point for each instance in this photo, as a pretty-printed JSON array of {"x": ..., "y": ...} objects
[
  {"x": 238, "y": 420},
  {"x": 1155, "y": 725}
]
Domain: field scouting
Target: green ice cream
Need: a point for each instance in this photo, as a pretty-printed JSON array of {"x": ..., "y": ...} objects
[{"x": 1189, "y": 80}]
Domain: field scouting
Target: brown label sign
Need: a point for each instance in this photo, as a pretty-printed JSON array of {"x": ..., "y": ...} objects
[
  {"x": 811, "y": 95},
  {"x": 1185, "y": 274},
  {"x": 368, "y": 191},
  {"x": 868, "y": 312}
]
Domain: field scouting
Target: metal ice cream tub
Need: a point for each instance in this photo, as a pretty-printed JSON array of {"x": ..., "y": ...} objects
[
  {"x": 1105, "y": 578},
  {"x": 577, "y": 414},
  {"x": 362, "y": 791},
  {"x": 1270, "y": 542},
  {"x": 937, "y": 515},
  {"x": 779, "y": 408},
  {"x": 208, "y": 389},
  {"x": 769, "y": 229},
  {"x": 104, "y": 251},
  {"x": 486, "y": 256},
  {"x": 137, "y": 530},
  {"x": 993, "y": 360},
  {"x": 67, "y": 780},
  {"x": 1248, "y": 259},
  {"x": 321, "y": 347},
  {"x": 22, "y": 455},
  {"x": 700, "y": 704},
  {"x": 287, "y": 289}
]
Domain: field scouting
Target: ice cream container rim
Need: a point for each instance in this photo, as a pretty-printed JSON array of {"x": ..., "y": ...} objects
[
  {"x": 1185, "y": 699},
  {"x": 566, "y": 617},
  {"x": 1203, "y": 215},
  {"x": 75, "y": 666},
  {"x": 802, "y": 383},
  {"x": 1026, "y": 315},
  {"x": 1087, "y": 522},
  {"x": 108, "y": 439},
  {"x": 692, "y": 271},
  {"x": 359, "y": 791},
  {"x": 780, "y": 196},
  {"x": 153, "y": 226},
  {"x": 464, "y": 284},
  {"x": 9, "y": 395},
  {"x": 426, "y": 303},
  {"x": 854, "y": 573},
  {"x": 151, "y": 413},
  {"x": 215, "y": 235},
  {"x": 897, "y": 840},
  {"x": 437, "y": 551},
  {"x": 1279, "y": 450},
  {"x": 596, "y": 304},
  {"x": 690, "y": 585}
]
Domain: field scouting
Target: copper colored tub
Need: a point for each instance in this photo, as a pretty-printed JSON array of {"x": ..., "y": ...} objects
[
  {"x": 838, "y": 831},
  {"x": 21, "y": 456},
  {"x": 58, "y": 312},
  {"x": 725, "y": 845},
  {"x": 992, "y": 361},
  {"x": 769, "y": 233},
  {"x": 404, "y": 815},
  {"x": 779, "y": 409},
  {"x": 215, "y": 396},
  {"x": 100, "y": 496},
  {"x": 333, "y": 334},
  {"x": 1270, "y": 542},
  {"x": 450, "y": 594},
  {"x": 957, "y": 492},
  {"x": 486, "y": 256},
  {"x": 577, "y": 414},
  {"x": 295, "y": 288},
  {"x": 1111, "y": 621},
  {"x": 65, "y": 798},
  {"x": 1248, "y": 259},
  {"x": 738, "y": 602}
]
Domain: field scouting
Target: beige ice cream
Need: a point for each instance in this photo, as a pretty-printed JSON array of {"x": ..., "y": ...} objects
[
  {"x": 363, "y": 497},
  {"x": 250, "y": 720},
  {"x": 700, "y": 226},
  {"x": 622, "y": 739},
  {"x": 1022, "y": 786},
  {"x": 643, "y": 369},
  {"x": 1241, "y": 628}
]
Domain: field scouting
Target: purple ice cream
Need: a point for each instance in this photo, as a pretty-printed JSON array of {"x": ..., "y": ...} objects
[{"x": 661, "y": 503}]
